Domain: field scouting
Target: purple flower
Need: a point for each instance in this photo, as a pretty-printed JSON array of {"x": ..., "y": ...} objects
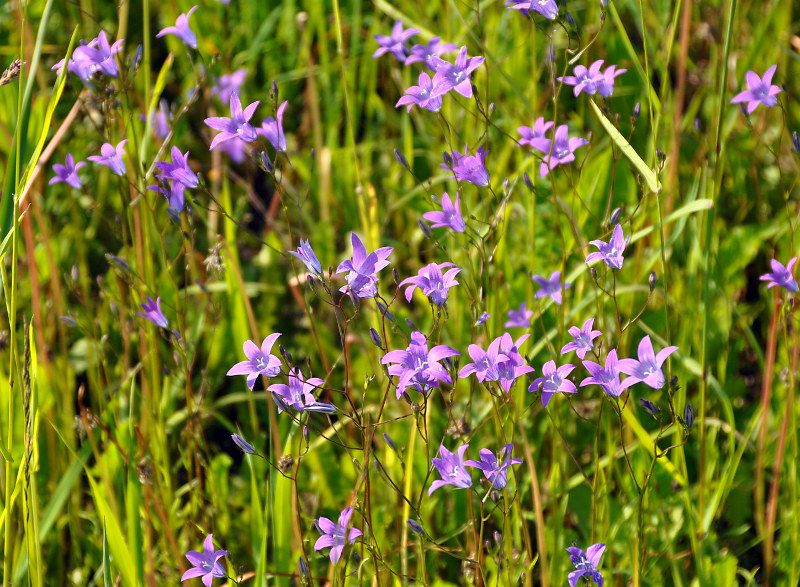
[
  {"x": 469, "y": 168},
  {"x": 89, "y": 58},
  {"x": 583, "y": 339},
  {"x": 259, "y": 361},
  {"x": 781, "y": 276},
  {"x": 160, "y": 120},
  {"x": 234, "y": 149},
  {"x": 494, "y": 471},
  {"x": 550, "y": 288},
  {"x": 272, "y": 129},
  {"x": 68, "y": 173},
  {"x": 299, "y": 394},
  {"x": 610, "y": 252},
  {"x": 759, "y": 90},
  {"x": 430, "y": 54},
  {"x": 592, "y": 80},
  {"x": 554, "y": 380},
  {"x": 648, "y": 368},
  {"x": 111, "y": 157},
  {"x": 179, "y": 170},
  {"x": 451, "y": 469},
  {"x": 519, "y": 318},
  {"x": 152, "y": 312},
  {"x": 417, "y": 366},
  {"x": 535, "y": 137},
  {"x": 450, "y": 215},
  {"x": 396, "y": 43},
  {"x": 456, "y": 76},
  {"x": 607, "y": 377},
  {"x": 181, "y": 29},
  {"x": 483, "y": 318},
  {"x": 563, "y": 148},
  {"x": 306, "y": 254},
  {"x": 586, "y": 563},
  {"x": 433, "y": 284},
  {"x": 206, "y": 563},
  {"x": 336, "y": 536},
  {"x": 229, "y": 84},
  {"x": 362, "y": 278},
  {"x": 513, "y": 366},
  {"x": 421, "y": 95},
  {"x": 173, "y": 192},
  {"x": 501, "y": 361},
  {"x": 547, "y": 8},
  {"x": 235, "y": 127}
]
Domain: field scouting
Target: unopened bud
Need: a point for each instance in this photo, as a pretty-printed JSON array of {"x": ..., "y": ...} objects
[
  {"x": 385, "y": 312},
  {"x": 653, "y": 280},
  {"x": 688, "y": 416},
  {"x": 448, "y": 160},
  {"x": 614, "y": 220},
  {"x": 795, "y": 142},
  {"x": 569, "y": 19},
  {"x": 650, "y": 407},
  {"x": 243, "y": 444},
  {"x": 390, "y": 442},
  {"x": 415, "y": 527},
  {"x": 491, "y": 109},
  {"x": 424, "y": 228},
  {"x": 303, "y": 567},
  {"x": 637, "y": 109},
  {"x": 376, "y": 338},
  {"x": 526, "y": 179},
  {"x": 266, "y": 162},
  {"x": 401, "y": 159},
  {"x": 410, "y": 324}
]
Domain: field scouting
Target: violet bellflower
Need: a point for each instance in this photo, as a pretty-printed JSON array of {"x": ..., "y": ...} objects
[
  {"x": 451, "y": 468},
  {"x": 592, "y": 80},
  {"x": 421, "y": 95},
  {"x": 759, "y": 90},
  {"x": 181, "y": 29},
  {"x": 259, "y": 361},
  {"x": 501, "y": 361},
  {"x": 456, "y": 76},
  {"x": 430, "y": 54},
  {"x": 582, "y": 339},
  {"x": 610, "y": 252},
  {"x": 179, "y": 170},
  {"x": 547, "y": 8},
  {"x": 418, "y": 366},
  {"x": 433, "y": 284},
  {"x": 780, "y": 275},
  {"x": 95, "y": 56},
  {"x": 468, "y": 167},
  {"x": 586, "y": 563},
  {"x": 173, "y": 192},
  {"x": 449, "y": 216},
  {"x": 306, "y": 254},
  {"x": 111, "y": 157},
  {"x": 206, "y": 563},
  {"x": 362, "y": 269},
  {"x": 519, "y": 318},
  {"x": 68, "y": 173},
  {"x": 272, "y": 129},
  {"x": 229, "y": 84},
  {"x": 550, "y": 288},
  {"x": 395, "y": 43},
  {"x": 495, "y": 471},
  {"x": 563, "y": 149},
  {"x": 336, "y": 535},
  {"x": 648, "y": 368},
  {"x": 535, "y": 137},
  {"x": 235, "y": 127},
  {"x": 513, "y": 366},
  {"x": 607, "y": 377},
  {"x": 554, "y": 381},
  {"x": 160, "y": 120},
  {"x": 299, "y": 394},
  {"x": 152, "y": 312},
  {"x": 234, "y": 149}
]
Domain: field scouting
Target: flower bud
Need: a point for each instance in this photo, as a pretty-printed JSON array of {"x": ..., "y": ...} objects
[
  {"x": 410, "y": 324},
  {"x": 243, "y": 444},
  {"x": 526, "y": 179},
  {"x": 385, "y": 312},
  {"x": 424, "y": 228},
  {"x": 266, "y": 162},
  {"x": 637, "y": 109},
  {"x": 614, "y": 220},
  {"x": 650, "y": 407},
  {"x": 415, "y": 527},
  {"x": 688, "y": 416},
  {"x": 653, "y": 280},
  {"x": 795, "y": 142},
  {"x": 303, "y": 567},
  {"x": 401, "y": 159},
  {"x": 376, "y": 338},
  {"x": 448, "y": 160}
]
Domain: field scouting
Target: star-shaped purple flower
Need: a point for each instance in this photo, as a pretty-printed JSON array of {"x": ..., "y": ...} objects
[
  {"x": 554, "y": 380},
  {"x": 501, "y": 361},
  {"x": 583, "y": 338},
  {"x": 519, "y": 318},
  {"x": 421, "y": 95},
  {"x": 178, "y": 170},
  {"x": 780, "y": 275},
  {"x": 173, "y": 192},
  {"x": 336, "y": 536},
  {"x": 495, "y": 471},
  {"x": 181, "y": 29},
  {"x": 229, "y": 84},
  {"x": 206, "y": 563},
  {"x": 68, "y": 173},
  {"x": 272, "y": 129},
  {"x": 433, "y": 284},
  {"x": 451, "y": 468},
  {"x": 395, "y": 43},
  {"x": 586, "y": 563},
  {"x": 111, "y": 157},
  {"x": 456, "y": 76},
  {"x": 299, "y": 394},
  {"x": 535, "y": 137},
  {"x": 450, "y": 215},
  {"x": 468, "y": 167},
  {"x": 306, "y": 254},
  {"x": 648, "y": 368},
  {"x": 607, "y": 377},
  {"x": 550, "y": 288},
  {"x": 95, "y": 56},
  {"x": 362, "y": 278},
  {"x": 152, "y": 312},
  {"x": 513, "y": 366},
  {"x": 430, "y": 54},
  {"x": 610, "y": 252},
  {"x": 417, "y": 366},
  {"x": 259, "y": 361},
  {"x": 547, "y": 8},
  {"x": 235, "y": 127},
  {"x": 563, "y": 149},
  {"x": 759, "y": 90},
  {"x": 592, "y": 80}
]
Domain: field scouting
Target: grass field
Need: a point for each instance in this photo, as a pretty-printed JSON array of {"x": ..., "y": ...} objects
[{"x": 116, "y": 420}]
